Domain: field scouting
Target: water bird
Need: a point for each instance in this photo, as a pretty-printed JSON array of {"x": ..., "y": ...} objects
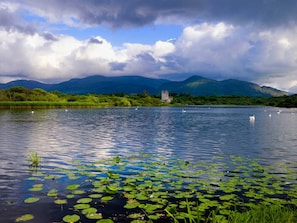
[
  {"x": 183, "y": 111},
  {"x": 269, "y": 114},
  {"x": 252, "y": 118},
  {"x": 66, "y": 110},
  {"x": 32, "y": 112}
]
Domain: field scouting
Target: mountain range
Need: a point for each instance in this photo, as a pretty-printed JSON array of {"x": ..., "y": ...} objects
[{"x": 194, "y": 85}]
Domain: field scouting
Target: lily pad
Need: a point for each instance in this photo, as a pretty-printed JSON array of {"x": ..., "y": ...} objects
[
  {"x": 106, "y": 198},
  {"x": 141, "y": 197},
  {"x": 95, "y": 195},
  {"x": 77, "y": 192},
  {"x": 52, "y": 193},
  {"x": 94, "y": 216},
  {"x": 61, "y": 201},
  {"x": 49, "y": 177},
  {"x": 84, "y": 200},
  {"x": 25, "y": 217},
  {"x": 131, "y": 204},
  {"x": 81, "y": 206},
  {"x": 69, "y": 196},
  {"x": 31, "y": 200},
  {"x": 105, "y": 221},
  {"x": 71, "y": 218},
  {"x": 72, "y": 186},
  {"x": 89, "y": 211}
]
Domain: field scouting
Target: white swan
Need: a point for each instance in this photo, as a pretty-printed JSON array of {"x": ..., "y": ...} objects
[{"x": 252, "y": 118}]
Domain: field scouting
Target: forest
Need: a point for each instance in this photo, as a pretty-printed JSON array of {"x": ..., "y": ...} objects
[{"x": 17, "y": 97}]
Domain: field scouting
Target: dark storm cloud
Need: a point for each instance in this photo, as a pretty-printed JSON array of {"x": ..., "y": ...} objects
[
  {"x": 11, "y": 22},
  {"x": 131, "y": 13}
]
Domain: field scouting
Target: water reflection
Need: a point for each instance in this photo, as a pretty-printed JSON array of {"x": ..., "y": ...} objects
[{"x": 198, "y": 134}]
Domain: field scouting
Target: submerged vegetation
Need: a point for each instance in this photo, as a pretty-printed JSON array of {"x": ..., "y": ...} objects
[
  {"x": 20, "y": 97},
  {"x": 145, "y": 188}
]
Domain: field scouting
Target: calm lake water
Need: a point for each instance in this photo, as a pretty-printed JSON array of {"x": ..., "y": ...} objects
[{"x": 198, "y": 134}]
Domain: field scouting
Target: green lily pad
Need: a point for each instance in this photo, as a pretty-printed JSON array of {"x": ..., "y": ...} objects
[
  {"x": 116, "y": 159},
  {"x": 72, "y": 187},
  {"x": 52, "y": 193},
  {"x": 135, "y": 215},
  {"x": 25, "y": 217},
  {"x": 36, "y": 187},
  {"x": 95, "y": 195},
  {"x": 81, "y": 206},
  {"x": 94, "y": 216},
  {"x": 31, "y": 200},
  {"x": 89, "y": 211},
  {"x": 154, "y": 216},
  {"x": 105, "y": 221},
  {"x": 61, "y": 201},
  {"x": 131, "y": 204},
  {"x": 111, "y": 189},
  {"x": 227, "y": 197},
  {"x": 113, "y": 175},
  {"x": 69, "y": 196},
  {"x": 106, "y": 198},
  {"x": 71, "y": 218},
  {"x": 84, "y": 200},
  {"x": 78, "y": 192},
  {"x": 49, "y": 177},
  {"x": 141, "y": 197}
]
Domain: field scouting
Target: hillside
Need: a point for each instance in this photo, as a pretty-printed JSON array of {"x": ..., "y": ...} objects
[
  {"x": 194, "y": 85},
  {"x": 197, "y": 86}
]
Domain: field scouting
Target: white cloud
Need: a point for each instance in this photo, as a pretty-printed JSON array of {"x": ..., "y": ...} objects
[
  {"x": 216, "y": 50},
  {"x": 222, "y": 50}
]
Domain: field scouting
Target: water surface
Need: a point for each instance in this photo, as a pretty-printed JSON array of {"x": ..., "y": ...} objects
[{"x": 198, "y": 134}]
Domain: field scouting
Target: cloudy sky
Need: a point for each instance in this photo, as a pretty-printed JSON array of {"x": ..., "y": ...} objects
[{"x": 56, "y": 40}]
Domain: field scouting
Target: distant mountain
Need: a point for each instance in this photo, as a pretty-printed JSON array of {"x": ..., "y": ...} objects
[
  {"x": 197, "y": 85},
  {"x": 194, "y": 85},
  {"x": 109, "y": 85},
  {"x": 26, "y": 83}
]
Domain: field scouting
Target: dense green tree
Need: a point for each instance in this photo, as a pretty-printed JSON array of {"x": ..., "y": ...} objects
[{"x": 21, "y": 94}]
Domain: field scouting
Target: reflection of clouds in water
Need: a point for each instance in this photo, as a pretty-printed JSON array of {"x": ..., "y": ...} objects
[
  {"x": 60, "y": 137},
  {"x": 278, "y": 133},
  {"x": 68, "y": 138}
]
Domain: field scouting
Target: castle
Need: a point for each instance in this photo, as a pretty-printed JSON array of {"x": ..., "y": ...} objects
[{"x": 165, "y": 97}]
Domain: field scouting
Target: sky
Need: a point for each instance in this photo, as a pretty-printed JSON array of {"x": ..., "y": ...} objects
[{"x": 53, "y": 41}]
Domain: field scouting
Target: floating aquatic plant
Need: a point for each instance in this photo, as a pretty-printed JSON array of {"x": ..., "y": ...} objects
[
  {"x": 31, "y": 200},
  {"x": 156, "y": 189},
  {"x": 25, "y": 217},
  {"x": 71, "y": 218}
]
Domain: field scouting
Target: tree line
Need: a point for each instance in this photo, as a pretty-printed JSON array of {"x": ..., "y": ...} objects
[{"x": 21, "y": 94}]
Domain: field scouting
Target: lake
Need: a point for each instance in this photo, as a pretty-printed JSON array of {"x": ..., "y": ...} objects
[{"x": 195, "y": 134}]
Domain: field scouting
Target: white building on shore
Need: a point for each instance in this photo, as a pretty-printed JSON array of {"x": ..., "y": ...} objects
[{"x": 165, "y": 96}]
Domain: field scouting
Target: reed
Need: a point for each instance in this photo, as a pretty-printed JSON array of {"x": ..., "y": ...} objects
[
  {"x": 265, "y": 214},
  {"x": 258, "y": 214},
  {"x": 34, "y": 160}
]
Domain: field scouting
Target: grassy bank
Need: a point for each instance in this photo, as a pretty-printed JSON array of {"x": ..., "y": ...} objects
[
  {"x": 26, "y": 98},
  {"x": 47, "y": 105}
]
